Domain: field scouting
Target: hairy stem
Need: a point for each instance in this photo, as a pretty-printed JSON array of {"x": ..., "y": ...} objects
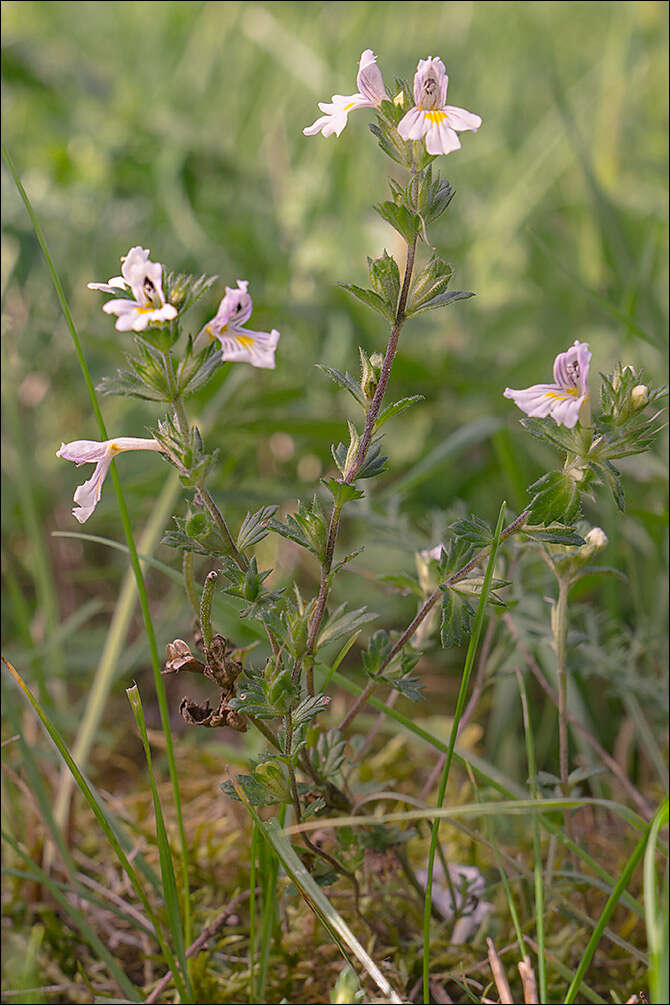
[{"x": 359, "y": 460}]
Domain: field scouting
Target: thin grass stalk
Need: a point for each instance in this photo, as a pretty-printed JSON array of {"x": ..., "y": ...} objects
[
  {"x": 125, "y": 520},
  {"x": 252, "y": 914},
  {"x": 460, "y": 706},
  {"x": 656, "y": 919},
  {"x": 182, "y": 980},
  {"x": 537, "y": 848}
]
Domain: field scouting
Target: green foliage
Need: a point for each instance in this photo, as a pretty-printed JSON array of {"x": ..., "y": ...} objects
[
  {"x": 255, "y": 527},
  {"x": 555, "y": 499},
  {"x": 306, "y": 527}
]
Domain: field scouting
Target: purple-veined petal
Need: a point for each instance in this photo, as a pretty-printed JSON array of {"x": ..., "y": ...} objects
[
  {"x": 441, "y": 138},
  {"x": 369, "y": 80},
  {"x": 413, "y": 125}
]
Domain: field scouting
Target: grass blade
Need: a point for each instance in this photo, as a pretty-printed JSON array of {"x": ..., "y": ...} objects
[
  {"x": 608, "y": 909},
  {"x": 460, "y": 706},
  {"x": 314, "y": 896},
  {"x": 97, "y": 809},
  {"x": 125, "y": 520},
  {"x": 79, "y": 919},
  {"x": 537, "y": 850},
  {"x": 656, "y": 920},
  {"x": 182, "y": 981}
]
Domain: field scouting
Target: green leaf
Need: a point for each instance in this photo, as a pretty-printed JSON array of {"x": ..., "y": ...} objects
[
  {"x": 441, "y": 300},
  {"x": 374, "y": 464},
  {"x": 457, "y": 616},
  {"x": 385, "y": 279},
  {"x": 555, "y": 499},
  {"x": 474, "y": 531},
  {"x": 434, "y": 196},
  {"x": 370, "y": 299},
  {"x": 255, "y": 527},
  {"x": 611, "y": 477},
  {"x": 547, "y": 430},
  {"x": 401, "y": 219},
  {"x": 308, "y": 708},
  {"x": 396, "y": 407},
  {"x": 388, "y": 136},
  {"x": 378, "y": 650},
  {"x": 342, "y": 622},
  {"x": 342, "y": 492},
  {"x": 408, "y": 685},
  {"x": 255, "y": 791},
  {"x": 346, "y": 381},
  {"x": 554, "y": 535}
]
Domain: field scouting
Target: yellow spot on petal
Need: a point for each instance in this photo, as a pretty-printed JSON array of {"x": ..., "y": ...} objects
[
  {"x": 347, "y": 108},
  {"x": 562, "y": 395},
  {"x": 114, "y": 449},
  {"x": 246, "y": 341},
  {"x": 435, "y": 116}
]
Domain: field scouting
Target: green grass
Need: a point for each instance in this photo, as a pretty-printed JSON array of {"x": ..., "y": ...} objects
[{"x": 178, "y": 126}]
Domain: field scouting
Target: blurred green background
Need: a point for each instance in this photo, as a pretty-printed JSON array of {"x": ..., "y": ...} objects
[{"x": 178, "y": 126}]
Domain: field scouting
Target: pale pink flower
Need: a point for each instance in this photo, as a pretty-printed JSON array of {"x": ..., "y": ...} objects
[
  {"x": 100, "y": 453},
  {"x": 144, "y": 279},
  {"x": 431, "y": 116},
  {"x": 241, "y": 344},
  {"x": 370, "y": 94},
  {"x": 564, "y": 399}
]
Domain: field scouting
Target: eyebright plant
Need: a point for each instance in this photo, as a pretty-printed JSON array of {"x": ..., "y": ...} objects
[{"x": 308, "y": 762}]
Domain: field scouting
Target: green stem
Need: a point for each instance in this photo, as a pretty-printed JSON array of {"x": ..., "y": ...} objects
[
  {"x": 134, "y": 560},
  {"x": 537, "y": 850}
]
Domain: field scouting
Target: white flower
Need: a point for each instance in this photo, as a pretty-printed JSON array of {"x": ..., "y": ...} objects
[
  {"x": 241, "y": 344},
  {"x": 87, "y": 496},
  {"x": 431, "y": 116},
  {"x": 370, "y": 94},
  {"x": 564, "y": 399},
  {"x": 143, "y": 279}
]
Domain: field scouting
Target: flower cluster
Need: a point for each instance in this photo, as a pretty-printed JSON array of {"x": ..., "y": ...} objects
[{"x": 431, "y": 118}]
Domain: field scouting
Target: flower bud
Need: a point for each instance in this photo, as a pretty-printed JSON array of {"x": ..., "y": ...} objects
[
  {"x": 370, "y": 370},
  {"x": 596, "y": 539},
  {"x": 639, "y": 396}
]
